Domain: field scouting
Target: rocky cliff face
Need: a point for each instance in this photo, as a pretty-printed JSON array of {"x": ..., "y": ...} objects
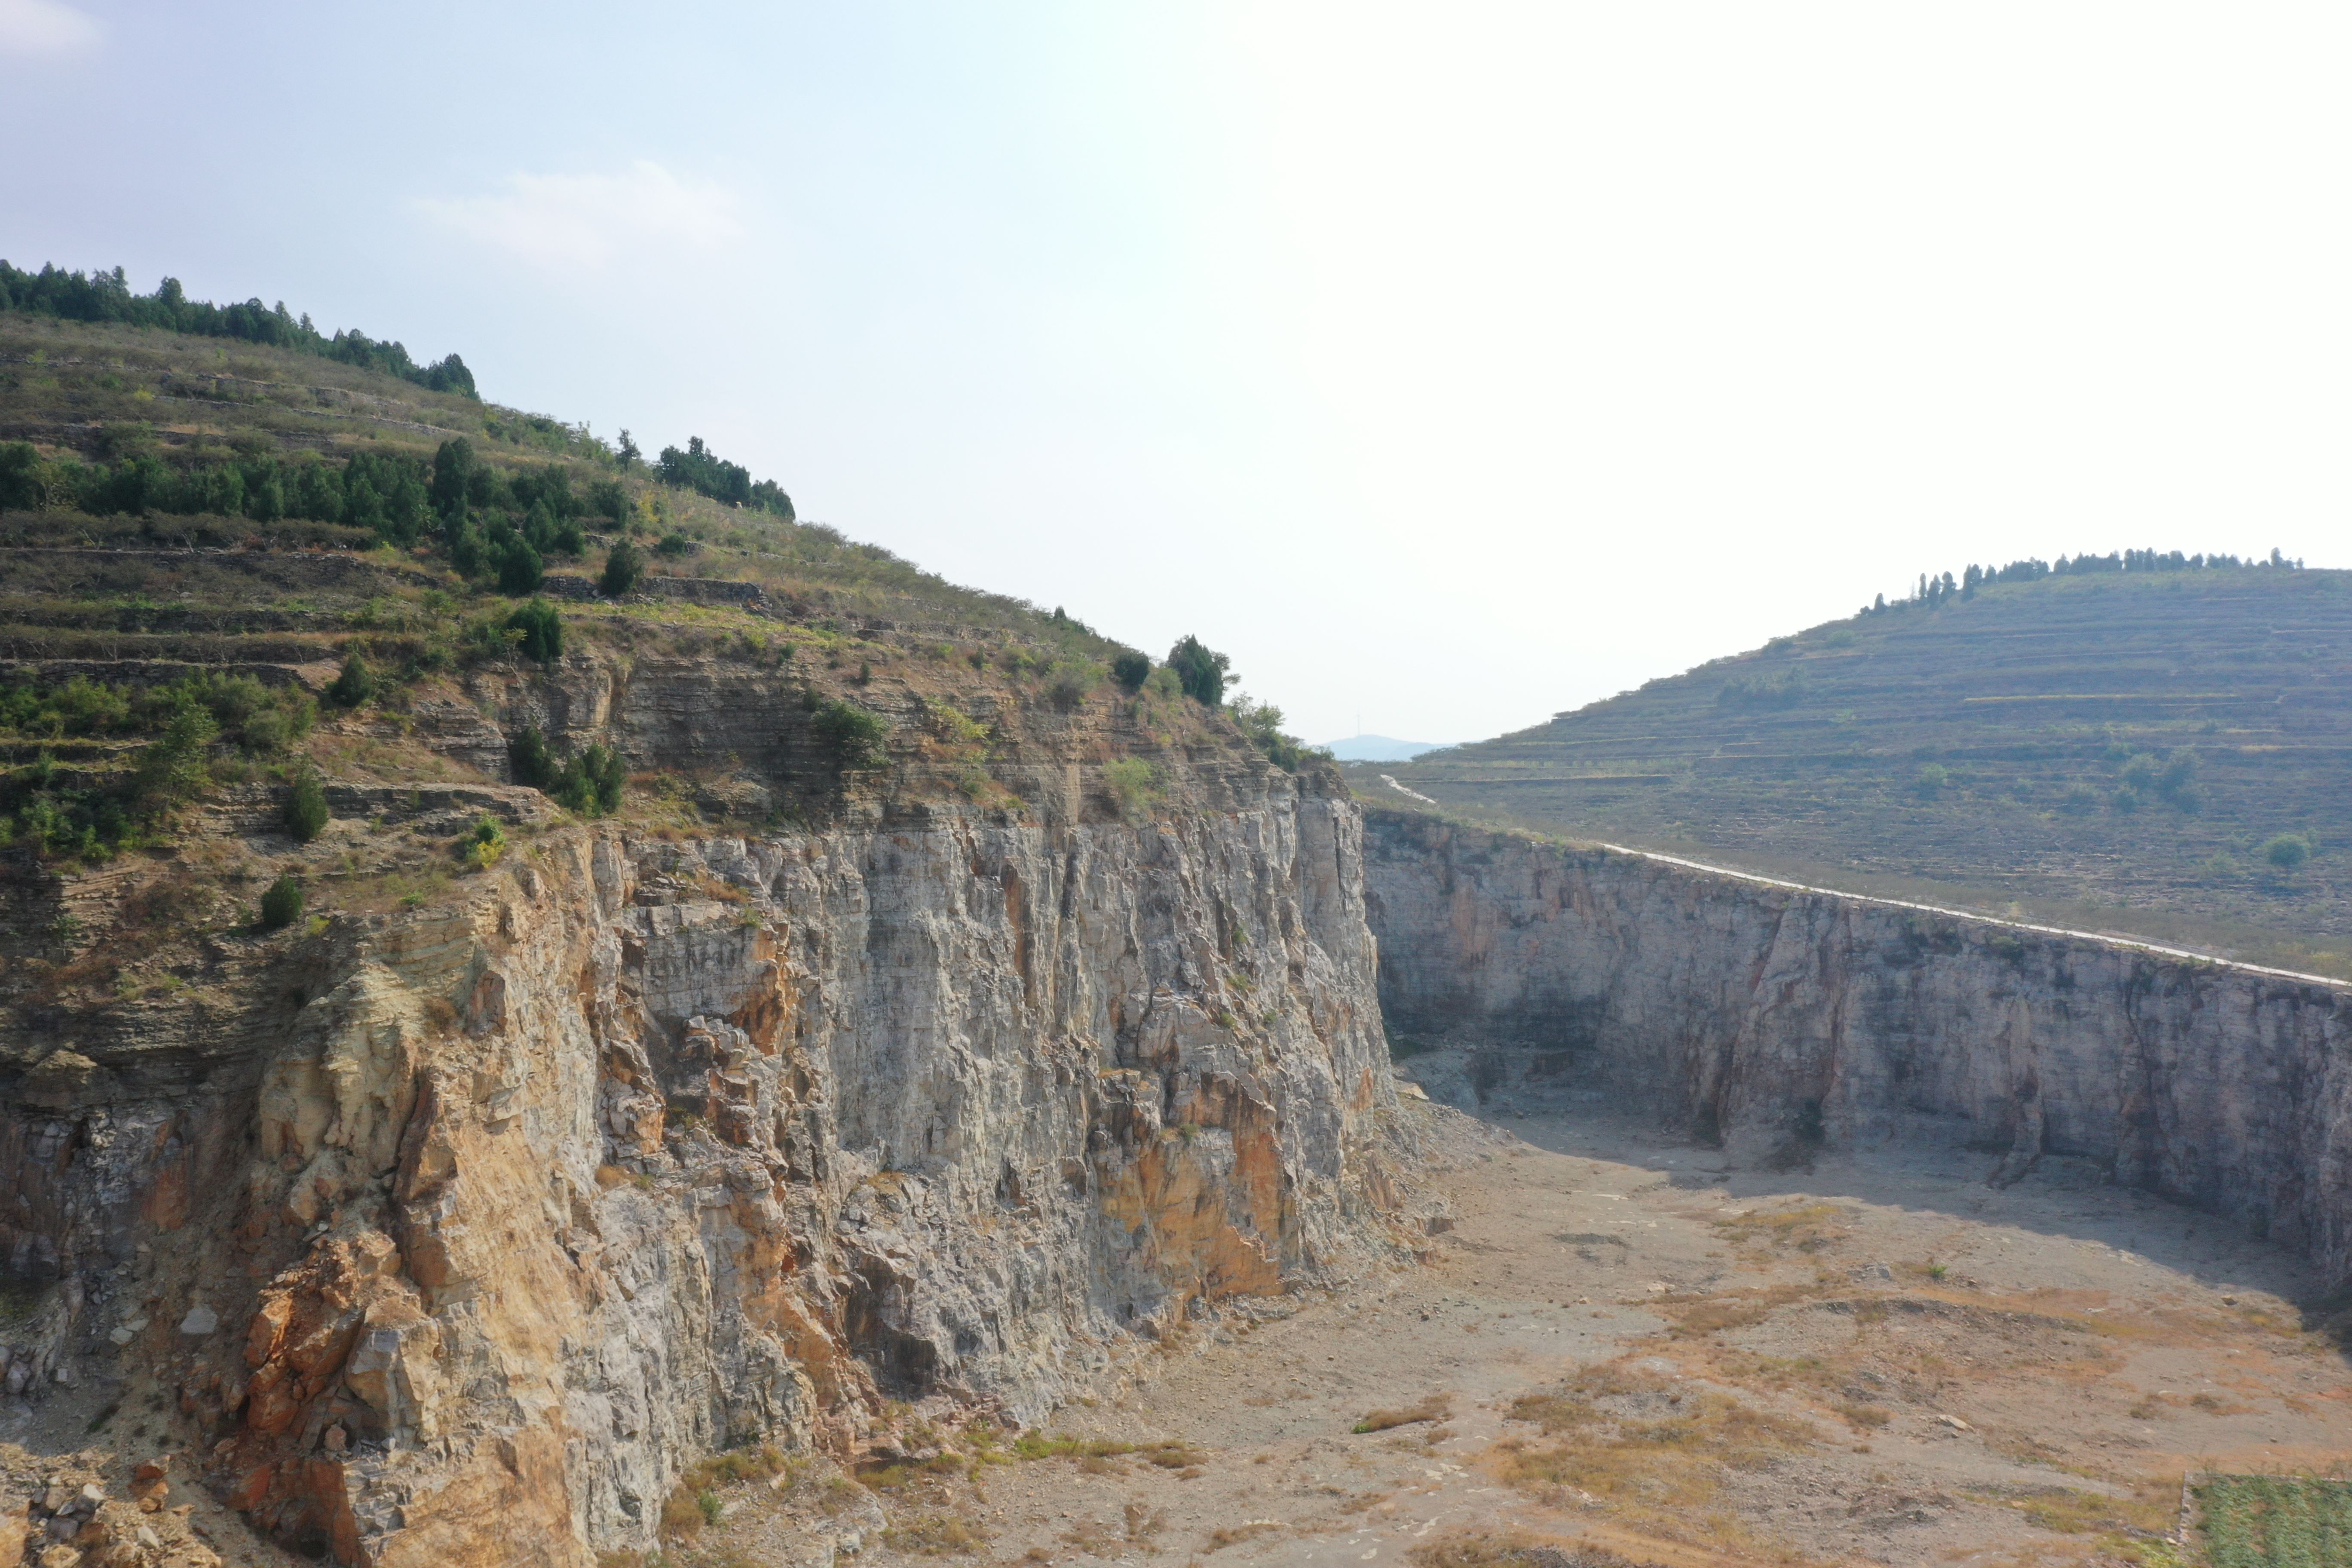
[
  {"x": 1775, "y": 1018},
  {"x": 470, "y": 1225}
]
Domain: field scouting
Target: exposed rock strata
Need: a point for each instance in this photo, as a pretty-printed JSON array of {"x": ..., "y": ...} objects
[
  {"x": 481, "y": 1221},
  {"x": 1774, "y": 1017}
]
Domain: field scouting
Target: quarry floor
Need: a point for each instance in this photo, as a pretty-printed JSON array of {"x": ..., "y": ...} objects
[
  {"x": 1622, "y": 1348},
  {"x": 1881, "y": 1359}
]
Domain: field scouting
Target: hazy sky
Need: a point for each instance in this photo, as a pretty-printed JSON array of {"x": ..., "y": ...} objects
[{"x": 1453, "y": 364}]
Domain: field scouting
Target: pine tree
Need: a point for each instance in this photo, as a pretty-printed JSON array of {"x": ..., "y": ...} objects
[
  {"x": 1204, "y": 673},
  {"x": 542, "y": 628},
  {"x": 521, "y": 570},
  {"x": 453, "y": 471},
  {"x": 625, "y": 565},
  {"x": 306, "y": 807},
  {"x": 282, "y": 904},
  {"x": 354, "y": 685}
]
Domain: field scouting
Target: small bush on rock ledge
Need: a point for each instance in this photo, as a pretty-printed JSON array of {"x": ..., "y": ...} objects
[
  {"x": 484, "y": 846},
  {"x": 590, "y": 784},
  {"x": 306, "y": 807},
  {"x": 282, "y": 904},
  {"x": 542, "y": 628},
  {"x": 854, "y": 733},
  {"x": 1134, "y": 785},
  {"x": 625, "y": 567}
]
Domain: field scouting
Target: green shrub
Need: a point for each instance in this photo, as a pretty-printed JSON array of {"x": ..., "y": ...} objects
[
  {"x": 542, "y": 628},
  {"x": 175, "y": 767},
  {"x": 354, "y": 685},
  {"x": 590, "y": 783},
  {"x": 625, "y": 568},
  {"x": 519, "y": 568},
  {"x": 1070, "y": 682},
  {"x": 1781, "y": 688},
  {"x": 306, "y": 807},
  {"x": 1135, "y": 786},
  {"x": 94, "y": 817},
  {"x": 1203, "y": 673},
  {"x": 2177, "y": 781},
  {"x": 481, "y": 848},
  {"x": 531, "y": 762},
  {"x": 22, "y": 478},
  {"x": 281, "y": 905},
  {"x": 1262, "y": 722},
  {"x": 674, "y": 544},
  {"x": 1130, "y": 669},
  {"x": 856, "y": 734},
  {"x": 2287, "y": 852},
  {"x": 1933, "y": 779}
]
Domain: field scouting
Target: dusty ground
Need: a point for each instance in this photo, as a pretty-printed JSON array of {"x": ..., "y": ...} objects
[{"x": 1880, "y": 1360}]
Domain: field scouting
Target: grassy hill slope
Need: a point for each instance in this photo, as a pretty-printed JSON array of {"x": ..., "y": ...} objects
[
  {"x": 2119, "y": 749},
  {"x": 103, "y": 393},
  {"x": 195, "y": 630}
]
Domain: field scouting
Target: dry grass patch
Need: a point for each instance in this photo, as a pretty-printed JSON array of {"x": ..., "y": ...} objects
[
  {"x": 1800, "y": 1227},
  {"x": 1142, "y": 1523},
  {"x": 695, "y": 1501},
  {"x": 839, "y": 1492},
  {"x": 1234, "y": 1534},
  {"x": 1697, "y": 1317},
  {"x": 1513, "y": 1549},
  {"x": 2106, "y": 1528},
  {"x": 1169, "y": 1454},
  {"x": 1435, "y": 1407},
  {"x": 936, "y": 1535},
  {"x": 1863, "y": 1417},
  {"x": 682, "y": 1516},
  {"x": 1652, "y": 1449}
]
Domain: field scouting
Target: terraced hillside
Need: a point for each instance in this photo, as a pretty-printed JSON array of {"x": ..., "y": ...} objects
[
  {"x": 2125, "y": 750},
  {"x": 125, "y": 605}
]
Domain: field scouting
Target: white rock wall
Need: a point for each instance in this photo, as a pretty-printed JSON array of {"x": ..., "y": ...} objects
[
  {"x": 1772, "y": 1017},
  {"x": 646, "y": 1147}
]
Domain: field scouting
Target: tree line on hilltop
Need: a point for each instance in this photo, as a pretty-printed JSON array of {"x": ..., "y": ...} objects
[
  {"x": 1933, "y": 591},
  {"x": 258, "y": 486},
  {"x": 705, "y": 472},
  {"x": 106, "y": 297}
]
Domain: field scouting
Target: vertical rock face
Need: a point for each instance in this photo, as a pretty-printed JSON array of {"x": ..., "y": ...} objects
[
  {"x": 1775, "y": 1017},
  {"x": 494, "y": 1214},
  {"x": 732, "y": 1138}
]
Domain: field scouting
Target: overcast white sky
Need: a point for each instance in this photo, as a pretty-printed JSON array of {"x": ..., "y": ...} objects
[{"x": 1450, "y": 364}]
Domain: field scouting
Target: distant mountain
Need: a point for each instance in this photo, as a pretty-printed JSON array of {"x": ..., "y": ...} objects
[
  {"x": 1382, "y": 749},
  {"x": 2141, "y": 743}
]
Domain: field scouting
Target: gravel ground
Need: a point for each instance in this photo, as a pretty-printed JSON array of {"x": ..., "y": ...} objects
[
  {"x": 1620, "y": 1351},
  {"x": 1624, "y": 1346}
]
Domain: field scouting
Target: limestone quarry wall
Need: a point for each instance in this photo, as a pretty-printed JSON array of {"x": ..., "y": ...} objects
[
  {"x": 459, "y": 1232},
  {"x": 1774, "y": 1017}
]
